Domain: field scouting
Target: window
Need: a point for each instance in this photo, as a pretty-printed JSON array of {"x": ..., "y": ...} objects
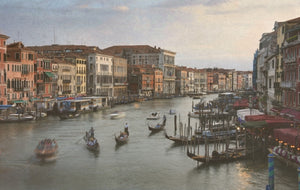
[
  {"x": 30, "y": 56},
  {"x": 270, "y": 83},
  {"x": 104, "y": 67},
  {"x": 17, "y": 56}
]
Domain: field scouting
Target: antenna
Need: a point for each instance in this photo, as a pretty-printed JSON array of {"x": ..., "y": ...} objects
[{"x": 53, "y": 35}]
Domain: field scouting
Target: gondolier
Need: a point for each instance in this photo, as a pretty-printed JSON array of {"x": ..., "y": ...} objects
[{"x": 126, "y": 128}]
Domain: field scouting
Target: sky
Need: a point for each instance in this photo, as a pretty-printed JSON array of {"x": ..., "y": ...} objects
[{"x": 203, "y": 33}]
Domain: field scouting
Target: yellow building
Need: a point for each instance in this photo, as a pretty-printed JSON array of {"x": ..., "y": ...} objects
[
  {"x": 80, "y": 76},
  {"x": 120, "y": 83}
]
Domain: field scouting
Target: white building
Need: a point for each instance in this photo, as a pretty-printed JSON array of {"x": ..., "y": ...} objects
[{"x": 100, "y": 74}]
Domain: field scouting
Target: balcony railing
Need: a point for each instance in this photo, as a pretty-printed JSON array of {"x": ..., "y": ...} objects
[
  {"x": 66, "y": 81},
  {"x": 289, "y": 60},
  {"x": 288, "y": 84}
]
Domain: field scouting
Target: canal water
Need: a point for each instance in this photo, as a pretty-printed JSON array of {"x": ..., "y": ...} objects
[{"x": 147, "y": 162}]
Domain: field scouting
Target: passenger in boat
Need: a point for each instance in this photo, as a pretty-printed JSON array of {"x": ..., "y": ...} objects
[
  {"x": 126, "y": 128},
  {"x": 53, "y": 143}
]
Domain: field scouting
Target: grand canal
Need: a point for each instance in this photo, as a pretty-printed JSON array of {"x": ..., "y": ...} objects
[{"x": 146, "y": 162}]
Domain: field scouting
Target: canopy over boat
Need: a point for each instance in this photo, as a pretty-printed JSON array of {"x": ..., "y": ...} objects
[{"x": 261, "y": 121}]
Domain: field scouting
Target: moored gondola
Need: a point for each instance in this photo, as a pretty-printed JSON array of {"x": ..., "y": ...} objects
[
  {"x": 158, "y": 127},
  {"x": 216, "y": 157}
]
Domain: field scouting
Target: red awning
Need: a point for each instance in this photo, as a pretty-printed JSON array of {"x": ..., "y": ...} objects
[
  {"x": 288, "y": 135},
  {"x": 291, "y": 113}
]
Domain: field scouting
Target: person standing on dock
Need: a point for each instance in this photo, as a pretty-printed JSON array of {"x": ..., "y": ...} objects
[{"x": 126, "y": 128}]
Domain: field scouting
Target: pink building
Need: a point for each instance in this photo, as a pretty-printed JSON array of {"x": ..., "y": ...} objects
[
  {"x": 20, "y": 73},
  {"x": 3, "y": 98}
]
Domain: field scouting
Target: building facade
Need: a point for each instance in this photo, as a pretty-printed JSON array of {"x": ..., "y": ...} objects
[
  {"x": 3, "y": 87},
  {"x": 20, "y": 73},
  {"x": 100, "y": 74}
]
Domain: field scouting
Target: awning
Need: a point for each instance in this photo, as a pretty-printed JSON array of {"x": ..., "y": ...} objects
[
  {"x": 19, "y": 101},
  {"x": 288, "y": 135},
  {"x": 254, "y": 124},
  {"x": 4, "y": 107},
  {"x": 50, "y": 74}
]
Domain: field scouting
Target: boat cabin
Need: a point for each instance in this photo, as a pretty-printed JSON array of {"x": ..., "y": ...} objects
[{"x": 76, "y": 105}]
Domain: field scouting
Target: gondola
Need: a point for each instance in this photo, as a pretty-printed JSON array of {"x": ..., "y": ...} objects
[
  {"x": 197, "y": 139},
  {"x": 91, "y": 142},
  {"x": 46, "y": 148},
  {"x": 93, "y": 145},
  {"x": 154, "y": 116},
  {"x": 216, "y": 157},
  {"x": 68, "y": 115},
  {"x": 122, "y": 138},
  {"x": 158, "y": 127}
]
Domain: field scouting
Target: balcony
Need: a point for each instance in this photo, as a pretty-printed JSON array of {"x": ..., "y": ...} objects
[
  {"x": 293, "y": 38},
  {"x": 106, "y": 84},
  {"x": 289, "y": 60},
  {"x": 121, "y": 84},
  {"x": 288, "y": 84},
  {"x": 66, "y": 92},
  {"x": 18, "y": 89},
  {"x": 66, "y": 81}
]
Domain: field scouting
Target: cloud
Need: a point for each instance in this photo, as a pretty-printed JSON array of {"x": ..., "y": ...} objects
[
  {"x": 122, "y": 8},
  {"x": 222, "y": 33}
]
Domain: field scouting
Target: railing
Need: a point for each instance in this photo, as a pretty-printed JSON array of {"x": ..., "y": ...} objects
[
  {"x": 292, "y": 39},
  {"x": 289, "y": 60},
  {"x": 66, "y": 81},
  {"x": 18, "y": 89},
  {"x": 66, "y": 92},
  {"x": 288, "y": 84}
]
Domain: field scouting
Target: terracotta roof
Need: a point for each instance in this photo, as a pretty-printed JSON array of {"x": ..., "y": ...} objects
[
  {"x": 4, "y": 36},
  {"x": 137, "y": 49},
  {"x": 67, "y": 48},
  {"x": 18, "y": 45}
]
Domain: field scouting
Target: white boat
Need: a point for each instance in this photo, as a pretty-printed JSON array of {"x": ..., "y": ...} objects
[
  {"x": 117, "y": 115},
  {"x": 16, "y": 118},
  {"x": 153, "y": 116}
]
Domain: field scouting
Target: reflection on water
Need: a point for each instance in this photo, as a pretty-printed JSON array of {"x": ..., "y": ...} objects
[{"x": 147, "y": 161}]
